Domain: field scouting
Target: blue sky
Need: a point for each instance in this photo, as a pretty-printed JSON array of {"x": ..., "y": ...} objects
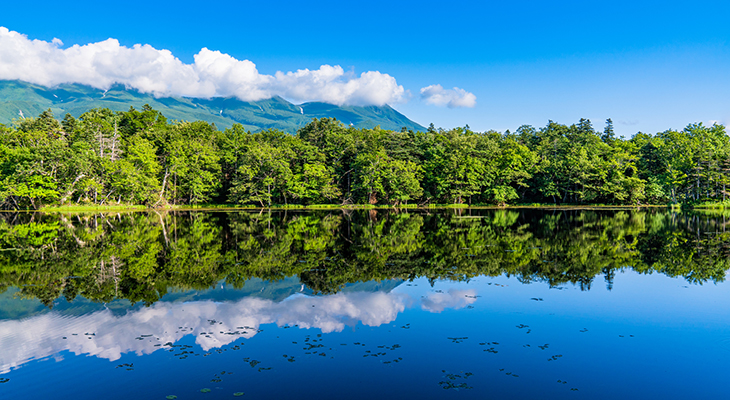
[{"x": 648, "y": 65}]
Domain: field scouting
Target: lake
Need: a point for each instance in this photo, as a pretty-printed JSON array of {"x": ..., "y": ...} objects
[{"x": 362, "y": 304}]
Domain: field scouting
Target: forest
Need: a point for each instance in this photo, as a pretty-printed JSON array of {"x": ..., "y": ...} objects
[{"x": 139, "y": 157}]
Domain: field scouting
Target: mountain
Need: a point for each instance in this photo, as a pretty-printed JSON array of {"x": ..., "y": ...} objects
[{"x": 31, "y": 100}]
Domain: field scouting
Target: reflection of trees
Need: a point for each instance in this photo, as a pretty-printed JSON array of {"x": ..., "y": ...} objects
[
  {"x": 580, "y": 246},
  {"x": 374, "y": 246},
  {"x": 140, "y": 257},
  {"x": 273, "y": 246},
  {"x": 689, "y": 245}
]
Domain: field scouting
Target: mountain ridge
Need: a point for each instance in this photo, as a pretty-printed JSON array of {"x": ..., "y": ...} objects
[{"x": 21, "y": 99}]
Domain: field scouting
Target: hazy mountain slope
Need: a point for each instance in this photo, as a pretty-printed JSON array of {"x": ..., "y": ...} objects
[{"x": 16, "y": 96}]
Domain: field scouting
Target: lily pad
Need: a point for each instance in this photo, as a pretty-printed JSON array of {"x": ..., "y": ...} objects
[
  {"x": 238, "y": 394},
  {"x": 204, "y": 390}
]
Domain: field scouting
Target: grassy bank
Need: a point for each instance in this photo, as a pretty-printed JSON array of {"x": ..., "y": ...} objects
[
  {"x": 221, "y": 207},
  {"x": 91, "y": 207},
  {"x": 708, "y": 205}
]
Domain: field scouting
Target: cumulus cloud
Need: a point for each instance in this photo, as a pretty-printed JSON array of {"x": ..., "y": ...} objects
[
  {"x": 452, "y": 98},
  {"x": 327, "y": 82},
  {"x": 159, "y": 72}
]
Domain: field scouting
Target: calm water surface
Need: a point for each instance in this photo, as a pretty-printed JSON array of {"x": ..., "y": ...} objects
[{"x": 365, "y": 304}]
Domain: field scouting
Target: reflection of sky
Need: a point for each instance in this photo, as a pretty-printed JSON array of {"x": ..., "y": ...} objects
[
  {"x": 650, "y": 337},
  {"x": 213, "y": 324}
]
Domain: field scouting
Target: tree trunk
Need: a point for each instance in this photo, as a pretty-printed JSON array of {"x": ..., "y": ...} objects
[
  {"x": 101, "y": 144},
  {"x": 372, "y": 198},
  {"x": 113, "y": 155},
  {"x": 70, "y": 189},
  {"x": 697, "y": 191}
]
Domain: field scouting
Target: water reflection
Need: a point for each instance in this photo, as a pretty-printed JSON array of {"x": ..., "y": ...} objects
[
  {"x": 142, "y": 257},
  {"x": 453, "y": 298},
  {"x": 366, "y": 279},
  {"x": 106, "y": 335}
]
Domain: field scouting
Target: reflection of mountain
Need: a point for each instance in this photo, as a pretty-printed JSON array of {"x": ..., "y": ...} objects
[
  {"x": 272, "y": 290},
  {"x": 213, "y": 324},
  {"x": 12, "y": 307}
]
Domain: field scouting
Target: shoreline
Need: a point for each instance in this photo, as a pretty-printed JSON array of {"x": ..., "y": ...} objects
[{"x": 138, "y": 208}]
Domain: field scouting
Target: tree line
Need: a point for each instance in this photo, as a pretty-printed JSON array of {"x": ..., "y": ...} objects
[{"x": 139, "y": 157}]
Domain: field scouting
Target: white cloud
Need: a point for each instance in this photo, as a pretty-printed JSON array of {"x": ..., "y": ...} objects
[
  {"x": 327, "y": 82},
  {"x": 159, "y": 72},
  {"x": 452, "y": 98},
  {"x": 716, "y": 122}
]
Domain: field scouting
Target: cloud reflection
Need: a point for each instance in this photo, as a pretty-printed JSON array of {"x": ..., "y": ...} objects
[
  {"x": 456, "y": 299},
  {"x": 214, "y": 324}
]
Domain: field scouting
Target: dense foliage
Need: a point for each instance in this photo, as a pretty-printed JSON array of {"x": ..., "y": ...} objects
[
  {"x": 143, "y": 256},
  {"x": 139, "y": 157}
]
